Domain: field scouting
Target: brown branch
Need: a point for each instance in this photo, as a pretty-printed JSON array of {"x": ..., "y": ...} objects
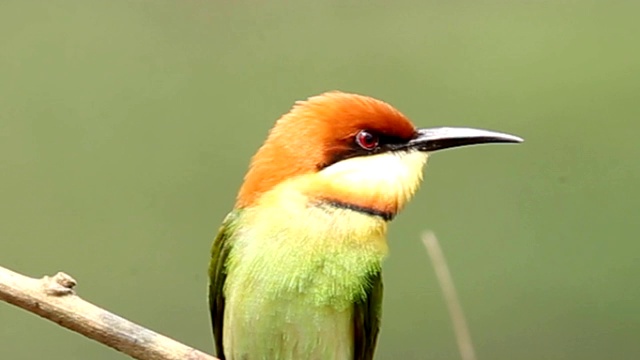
[
  {"x": 54, "y": 299},
  {"x": 441, "y": 268}
]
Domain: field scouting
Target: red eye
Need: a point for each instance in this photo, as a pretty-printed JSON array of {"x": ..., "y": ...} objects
[{"x": 366, "y": 140}]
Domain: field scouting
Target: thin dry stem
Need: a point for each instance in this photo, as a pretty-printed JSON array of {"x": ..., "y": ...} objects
[
  {"x": 441, "y": 268},
  {"x": 54, "y": 299}
]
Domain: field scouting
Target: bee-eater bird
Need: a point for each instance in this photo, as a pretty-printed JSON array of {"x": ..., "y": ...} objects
[{"x": 295, "y": 267}]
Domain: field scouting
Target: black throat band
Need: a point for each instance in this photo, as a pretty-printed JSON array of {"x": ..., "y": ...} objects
[{"x": 385, "y": 215}]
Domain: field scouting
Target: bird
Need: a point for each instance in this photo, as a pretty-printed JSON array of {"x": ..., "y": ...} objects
[{"x": 295, "y": 269}]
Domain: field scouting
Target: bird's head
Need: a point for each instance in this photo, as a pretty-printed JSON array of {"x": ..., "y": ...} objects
[{"x": 350, "y": 151}]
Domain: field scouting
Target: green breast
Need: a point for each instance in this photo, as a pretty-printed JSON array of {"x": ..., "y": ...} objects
[{"x": 293, "y": 279}]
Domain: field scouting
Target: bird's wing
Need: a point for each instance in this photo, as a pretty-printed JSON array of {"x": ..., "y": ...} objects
[
  {"x": 217, "y": 276},
  {"x": 366, "y": 319}
]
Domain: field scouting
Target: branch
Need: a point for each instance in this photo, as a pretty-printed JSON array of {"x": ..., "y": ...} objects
[
  {"x": 54, "y": 299},
  {"x": 441, "y": 268}
]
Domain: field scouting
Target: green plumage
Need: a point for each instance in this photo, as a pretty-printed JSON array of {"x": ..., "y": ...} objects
[
  {"x": 312, "y": 301},
  {"x": 217, "y": 276}
]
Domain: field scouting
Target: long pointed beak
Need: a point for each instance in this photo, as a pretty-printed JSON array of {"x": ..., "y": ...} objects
[{"x": 449, "y": 137}]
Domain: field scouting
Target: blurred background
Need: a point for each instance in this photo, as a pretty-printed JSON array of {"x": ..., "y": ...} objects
[{"x": 126, "y": 128}]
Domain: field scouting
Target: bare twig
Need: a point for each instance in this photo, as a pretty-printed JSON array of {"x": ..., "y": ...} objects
[
  {"x": 441, "y": 268},
  {"x": 53, "y": 298}
]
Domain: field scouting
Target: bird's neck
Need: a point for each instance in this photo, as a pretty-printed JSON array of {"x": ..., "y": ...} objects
[{"x": 317, "y": 221}]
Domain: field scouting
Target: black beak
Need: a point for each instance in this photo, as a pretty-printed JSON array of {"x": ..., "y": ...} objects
[{"x": 449, "y": 137}]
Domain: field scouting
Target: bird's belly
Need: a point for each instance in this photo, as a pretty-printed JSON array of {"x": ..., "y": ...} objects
[
  {"x": 286, "y": 329},
  {"x": 299, "y": 307}
]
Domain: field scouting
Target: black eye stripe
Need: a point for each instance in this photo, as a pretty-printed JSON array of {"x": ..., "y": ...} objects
[{"x": 350, "y": 147}]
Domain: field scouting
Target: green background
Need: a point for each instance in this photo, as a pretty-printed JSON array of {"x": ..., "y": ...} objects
[{"x": 126, "y": 128}]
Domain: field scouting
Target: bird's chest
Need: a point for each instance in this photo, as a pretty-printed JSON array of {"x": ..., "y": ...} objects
[
  {"x": 298, "y": 307},
  {"x": 290, "y": 290}
]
